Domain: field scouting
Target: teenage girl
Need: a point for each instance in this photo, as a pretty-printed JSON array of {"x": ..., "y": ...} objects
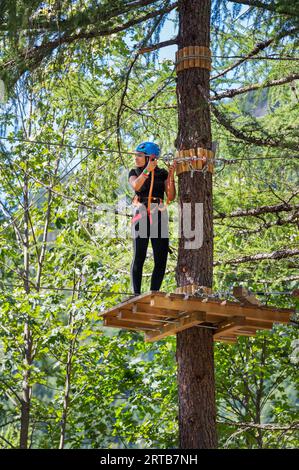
[{"x": 152, "y": 226}]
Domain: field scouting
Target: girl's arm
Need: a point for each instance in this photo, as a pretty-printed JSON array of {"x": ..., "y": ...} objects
[
  {"x": 137, "y": 182},
  {"x": 170, "y": 184}
]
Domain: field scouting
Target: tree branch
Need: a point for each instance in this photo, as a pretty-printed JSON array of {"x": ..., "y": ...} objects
[
  {"x": 267, "y": 426},
  {"x": 260, "y": 46},
  {"x": 30, "y": 59},
  {"x": 265, "y": 6},
  {"x": 255, "y": 86},
  {"x": 124, "y": 93},
  {"x": 258, "y": 211},
  {"x": 278, "y": 254},
  {"x": 225, "y": 122},
  {"x": 90, "y": 16},
  {"x": 269, "y": 142},
  {"x": 159, "y": 45},
  {"x": 7, "y": 442},
  {"x": 279, "y": 222}
]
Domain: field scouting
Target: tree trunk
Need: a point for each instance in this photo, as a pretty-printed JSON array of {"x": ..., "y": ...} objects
[{"x": 197, "y": 407}]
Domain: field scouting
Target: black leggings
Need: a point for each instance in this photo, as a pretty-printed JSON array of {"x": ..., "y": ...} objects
[{"x": 160, "y": 247}]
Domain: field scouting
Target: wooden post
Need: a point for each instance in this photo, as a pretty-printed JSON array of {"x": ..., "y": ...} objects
[
  {"x": 244, "y": 296},
  {"x": 196, "y": 384}
]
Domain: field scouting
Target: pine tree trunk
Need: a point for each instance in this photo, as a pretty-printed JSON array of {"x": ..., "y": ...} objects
[{"x": 197, "y": 408}]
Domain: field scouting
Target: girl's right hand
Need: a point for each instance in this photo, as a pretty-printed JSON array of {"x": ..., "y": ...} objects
[{"x": 151, "y": 165}]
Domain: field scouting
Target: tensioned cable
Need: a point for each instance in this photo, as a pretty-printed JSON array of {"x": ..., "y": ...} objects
[
  {"x": 82, "y": 290},
  {"x": 79, "y": 147},
  {"x": 61, "y": 177},
  {"x": 91, "y": 205},
  {"x": 105, "y": 292},
  {"x": 108, "y": 150},
  {"x": 78, "y": 163},
  {"x": 273, "y": 57}
]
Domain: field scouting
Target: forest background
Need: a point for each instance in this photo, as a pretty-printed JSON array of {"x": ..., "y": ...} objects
[{"x": 77, "y": 93}]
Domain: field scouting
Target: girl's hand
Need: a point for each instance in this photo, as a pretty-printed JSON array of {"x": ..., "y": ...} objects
[
  {"x": 171, "y": 170},
  {"x": 151, "y": 165}
]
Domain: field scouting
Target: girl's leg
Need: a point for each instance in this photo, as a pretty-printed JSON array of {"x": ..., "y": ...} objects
[
  {"x": 160, "y": 250},
  {"x": 139, "y": 248}
]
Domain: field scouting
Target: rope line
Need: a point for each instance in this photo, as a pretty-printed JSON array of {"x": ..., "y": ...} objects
[
  {"x": 105, "y": 292},
  {"x": 164, "y": 157}
]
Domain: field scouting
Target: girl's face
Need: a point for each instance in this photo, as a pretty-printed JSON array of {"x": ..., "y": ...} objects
[{"x": 140, "y": 159}]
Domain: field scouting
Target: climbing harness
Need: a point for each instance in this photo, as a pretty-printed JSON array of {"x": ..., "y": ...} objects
[{"x": 140, "y": 201}]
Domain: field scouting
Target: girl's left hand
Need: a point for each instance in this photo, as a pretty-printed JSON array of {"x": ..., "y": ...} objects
[{"x": 171, "y": 170}]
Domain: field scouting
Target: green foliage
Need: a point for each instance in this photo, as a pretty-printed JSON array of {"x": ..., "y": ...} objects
[
  {"x": 257, "y": 383},
  {"x": 78, "y": 107}
]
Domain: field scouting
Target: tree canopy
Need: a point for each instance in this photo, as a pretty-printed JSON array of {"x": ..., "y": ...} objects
[{"x": 84, "y": 82}]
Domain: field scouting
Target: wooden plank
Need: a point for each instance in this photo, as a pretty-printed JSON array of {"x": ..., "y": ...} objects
[
  {"x": 164, "y": 313},
  {"x": 248, "y": 332},
  {"x": 140, "y": 318},
  {"x": 214, "y": 319},
  {"x": 243, "y": 295},
  {"x": 226, "y": 309},
  {"x": 248, "y": 328},
  {"x": 191, "y": 161},
  {"x": 227, "y": 339},
  {"x": 116, "y": 312},
  {"x": 200, "y": 153},
  {"x": 159, "y": 312},
  {"x": 141, "y": 298},
  {"x": 182, "y": 324},
  {"x": 197, "y": 53},
  {"x": 185, "y": 60},
  {"x": 115, "y": 323},
  {"x": 191, "y": 288},
  {"x": 178, "y": 57},
  {"x": 260, "y": 325},
  {"x": 191, "y": 52},
  {"x": 186, "y": 154},
  {"x": 229, "y": 326},
  {"x": 198, "y": 163}
]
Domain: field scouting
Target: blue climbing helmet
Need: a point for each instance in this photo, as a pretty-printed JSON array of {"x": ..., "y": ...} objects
[{"x": 149, "y": 148}]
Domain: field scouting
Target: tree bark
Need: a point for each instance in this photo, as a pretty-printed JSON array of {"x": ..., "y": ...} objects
[{"x": 197, "y": 407}]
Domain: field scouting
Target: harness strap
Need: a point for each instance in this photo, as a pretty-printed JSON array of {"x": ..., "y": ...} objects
[
  {"x": 138, "y": 200},
  {"x": 150, "y": 193}
]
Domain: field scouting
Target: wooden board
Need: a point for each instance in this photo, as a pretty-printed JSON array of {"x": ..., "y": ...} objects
[
  {"x": 229, "y": 326},
  {"x": 161, "y": 314},
  {"x": 226, "y": 309},
  {"x": 181, "y": 324},
  {"x": 242, "y": 294}
]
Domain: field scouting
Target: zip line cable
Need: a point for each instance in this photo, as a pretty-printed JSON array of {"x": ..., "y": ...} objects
[
  {"x": 272, "y": 57},
  {"x": 83, "y": 158},
  {"x": 86, "y": 204},
  {"x": 105, "y": 292},
  {"x": 61, "y": 177},
  {"x": 70, "y": 289},
  {"x": 108, "y": 150},
  {"x": 80, "y": 147}
]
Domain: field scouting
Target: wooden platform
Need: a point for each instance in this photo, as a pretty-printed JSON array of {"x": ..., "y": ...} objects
[{"x": 159, "y": 314}]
